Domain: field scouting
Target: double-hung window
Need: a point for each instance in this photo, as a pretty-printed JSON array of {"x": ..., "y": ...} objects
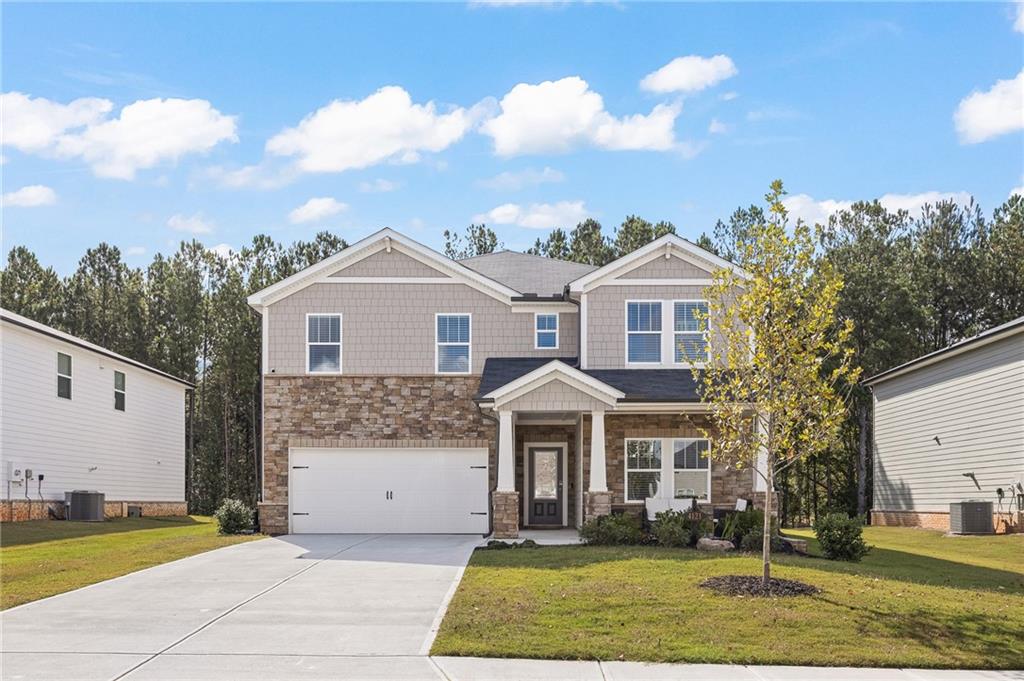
[
  {"x": 643, "y": 332},
  {"x": 691, "y": 474},
  {"x": 452, "y": 348},
  {"x": 63, "y": 375},
  {"x": 546, "y": 331},
  {"x": 323, "y": 343},
  {"x": 119, "y": 392},
  {"x": 643, "y": 469},
  {"x": 690, "y": 341}
]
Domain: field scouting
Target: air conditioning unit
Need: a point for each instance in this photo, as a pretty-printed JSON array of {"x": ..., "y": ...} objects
[
  {"x": 971, "y": 517},
  {"x": 85, "y": 505}
]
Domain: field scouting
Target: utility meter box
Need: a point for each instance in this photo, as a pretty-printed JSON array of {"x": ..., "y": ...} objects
[{"x": 14, "y": 472}]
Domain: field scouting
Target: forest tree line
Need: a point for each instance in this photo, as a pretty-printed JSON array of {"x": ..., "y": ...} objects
[{"x": 913, "y": 284}]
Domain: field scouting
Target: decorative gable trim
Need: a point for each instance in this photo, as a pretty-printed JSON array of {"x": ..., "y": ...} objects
[
  {"x": 386, "y": 239},
  {"x": 666, "y": 246},
  {"x": 555, "y": 371}
]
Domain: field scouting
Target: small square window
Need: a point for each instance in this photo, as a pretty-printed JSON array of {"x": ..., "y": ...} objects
[{"x": 546, "y": 327}]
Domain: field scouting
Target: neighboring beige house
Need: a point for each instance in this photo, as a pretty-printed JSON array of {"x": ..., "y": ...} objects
[
  {"x": 408, "y": 392},
  {"x": 81, "y": 417},
  {"x": 946, "y": 420}
]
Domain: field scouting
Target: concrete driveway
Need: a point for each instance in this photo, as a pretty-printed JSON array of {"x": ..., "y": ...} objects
[{"x": 305, "y": 606}]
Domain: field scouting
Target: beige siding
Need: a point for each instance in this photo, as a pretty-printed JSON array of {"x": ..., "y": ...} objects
[
  {"x": 389, "y": 329},
  {"x": 974, "y": 404},
  {"x": 393, "y": 264},
  {"x": 84, "y": 443},
  {"x": 555, "y": 396},
  {"x": 672, "y": 268}
]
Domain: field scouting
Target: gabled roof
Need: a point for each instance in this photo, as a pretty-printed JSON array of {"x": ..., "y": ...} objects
[
  {"x": 528, "y": 273},
  {"x": 984, "y": 338},
  {"x": 551, "y": 371},
  {"x": 43, "y": 329},
  {"x": 670, "y": 244},
  {"x": 384, "y": 239}
]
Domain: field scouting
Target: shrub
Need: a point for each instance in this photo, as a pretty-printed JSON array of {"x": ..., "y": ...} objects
[
  {"x": 840, "y": 537},
  {"x": 612, "y": 529},
  {"x": 747, "y": 531},
  {"x": 674, "y": 528},
  {"x": 233, "y": 517}
]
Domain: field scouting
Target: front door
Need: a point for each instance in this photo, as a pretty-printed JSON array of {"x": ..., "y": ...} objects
[{"x": 545, "y": 489}]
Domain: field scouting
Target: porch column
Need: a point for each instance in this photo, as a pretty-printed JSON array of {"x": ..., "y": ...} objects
[
  {"x": 505, "y": 511},
  {"x": 598, "y": 501}
]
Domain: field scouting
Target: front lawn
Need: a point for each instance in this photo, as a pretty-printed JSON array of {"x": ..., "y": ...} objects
[
  {"x": 918, "y": 599},
  {"x": 45, "y": 557}
]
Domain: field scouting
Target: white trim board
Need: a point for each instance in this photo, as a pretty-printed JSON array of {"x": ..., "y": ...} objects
[{"x": 551, "y": 371}]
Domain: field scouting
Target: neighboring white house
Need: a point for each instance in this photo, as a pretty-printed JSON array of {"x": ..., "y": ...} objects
[
  {"x": 82, "y": 417},
  {"x": 949, "y": 427}
]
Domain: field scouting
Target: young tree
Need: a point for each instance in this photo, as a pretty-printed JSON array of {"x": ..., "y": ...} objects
[
  {"x": 588, "y": 245},
  {"x": 555, "y": 246},
  {"x": 779, "y": 354}
]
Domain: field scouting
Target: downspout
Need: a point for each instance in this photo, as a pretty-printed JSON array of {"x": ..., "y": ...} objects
[{"x": 579, "y": 325}]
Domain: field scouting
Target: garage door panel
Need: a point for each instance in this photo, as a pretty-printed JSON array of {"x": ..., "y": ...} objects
[{"x": 427, "y": 490}]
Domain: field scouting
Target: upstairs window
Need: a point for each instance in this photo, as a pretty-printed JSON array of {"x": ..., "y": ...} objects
[
  {"x": 690, "y": 341},
  {"x": 118, "y": 391},
  {"x": 323, "y": 343},
  {"x": 546, "y": 327},
  {"x": 63, "y": 375},
  {"x": 643, "y": 332},
  {"x": 452, "y": 355}
]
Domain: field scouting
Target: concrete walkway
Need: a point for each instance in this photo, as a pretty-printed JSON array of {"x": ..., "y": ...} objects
[{"x": 309, "y": 607}]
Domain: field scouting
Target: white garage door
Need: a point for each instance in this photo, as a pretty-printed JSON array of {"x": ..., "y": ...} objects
[{"x": 388, "y": 490}]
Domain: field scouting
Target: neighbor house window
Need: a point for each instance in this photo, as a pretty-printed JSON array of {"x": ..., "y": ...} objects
[
  {"x": 118, "y": 391},
  {"x": 643, "y": 332},
  {"x": 643, "y": 469},
  {"x": 547, "y": 331},
  {"x": 690, "y": 342},
  {"x": 691, "y": 474},
  {"x": 63, "y": 375},
  {"x": 452, "y": 349},
  {"x": 323, "y": 343}
]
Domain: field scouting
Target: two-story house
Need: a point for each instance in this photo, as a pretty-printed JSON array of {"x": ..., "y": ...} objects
[{"x": 408, "y": 392}]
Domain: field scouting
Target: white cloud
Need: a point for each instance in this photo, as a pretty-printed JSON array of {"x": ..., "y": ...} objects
[
  {"x": 1018, "y": 23},
  {"x": 29, "y": 197},
  {"x": 222, "y": 250},
  {"x": 135, "y": 250},
  {"x": 729, "y": 96},
  {"x": 717, "y": 127},
  {"x": 195, "y": 224},
  {"x": 983, "y": 115},
  {"x": 257, "y": 176},
  {"x": 536, "y": 215},
  {"x": 774, "y": 113},
  {"x": 689, "y": 74},
  {"x": 1017, "y": 190},
  {"x": 514, "y": 181},
  {"x": 316, "y": 209},
  {"x": 378, "y": 186},
  {"x": 556, "y": 116},
  {"x": 144, "y": 134},
  {"x": 806, "y": 208},
  {"x": 386, "y": 126}
]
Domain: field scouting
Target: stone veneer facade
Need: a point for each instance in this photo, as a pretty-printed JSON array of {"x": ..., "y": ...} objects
[
  {"x": 1003, "y": 523},
  {"x": 20, "y": 510}
]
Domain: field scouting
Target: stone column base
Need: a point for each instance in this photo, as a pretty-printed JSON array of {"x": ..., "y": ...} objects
[
  {"x": 273, "y": 518},
  {"x": 596, "y": 504},
  {"x": 505, "y": 515}
]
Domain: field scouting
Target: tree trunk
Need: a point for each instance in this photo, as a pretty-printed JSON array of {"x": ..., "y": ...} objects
[
  {"x": 766, "y": 550},
  {"x": 862, "y": 462}
]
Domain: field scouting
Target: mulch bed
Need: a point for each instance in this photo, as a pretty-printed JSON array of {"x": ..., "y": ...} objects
[{"x": 737, "y": 585}]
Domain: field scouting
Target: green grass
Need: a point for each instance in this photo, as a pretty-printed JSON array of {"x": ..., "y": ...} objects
[
  {"x": 42, "y": 558},
  {"x": 918, "y": 599}
]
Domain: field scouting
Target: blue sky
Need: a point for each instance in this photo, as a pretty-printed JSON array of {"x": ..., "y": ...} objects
[{"x": 141, "y": 125}]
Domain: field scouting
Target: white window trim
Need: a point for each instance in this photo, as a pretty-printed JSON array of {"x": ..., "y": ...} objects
[
  {"x": 667, "y": 488},
  {"x": 340, "y": 343},
  {"x": 672, "y": 463},
  {"x": 626, "y": 468},
  {"x": 438, "y": 344},
  {"x": 537, "y": 332},
  {"x": 706, "y": 332},
  {"x": 660, "y": 334},
  {"x": 69, "y": 376},
  {"x": 123, "y": 391}
]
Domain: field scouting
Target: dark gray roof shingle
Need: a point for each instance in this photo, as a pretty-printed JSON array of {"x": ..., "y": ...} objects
[{"x": 527, "y": 273}]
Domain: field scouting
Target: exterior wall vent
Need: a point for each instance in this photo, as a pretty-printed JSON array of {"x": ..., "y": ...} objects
[
  {"x": 971, "y": 517},
  {"x": 84, "y": 505}
]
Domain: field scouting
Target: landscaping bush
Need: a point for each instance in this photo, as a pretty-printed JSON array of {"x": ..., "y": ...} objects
[
  {"x": 612, "y": 529},
  {"x": 746, "y": 530},
  {"x": 233, "y": 517},
  {"x": 674, "y": 528},
  {"x": 840, "y": 537}
]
